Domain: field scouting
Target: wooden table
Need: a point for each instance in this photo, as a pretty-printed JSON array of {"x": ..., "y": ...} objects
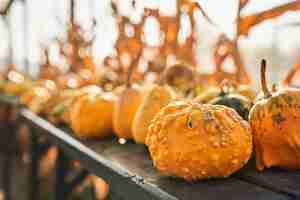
[
  {"x": 129, "y": 171},
  {"x": 131, "y": 175}
]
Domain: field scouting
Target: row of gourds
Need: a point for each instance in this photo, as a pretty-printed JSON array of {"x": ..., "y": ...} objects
[{"x": 192, "y": 131}]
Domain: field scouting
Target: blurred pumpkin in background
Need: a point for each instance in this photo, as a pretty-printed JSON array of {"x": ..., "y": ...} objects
[
  {"x": 156, "y": 97},
  {"x": 238, "y": 97},
  {"x": 91, "y": 115},
  {"x": 59, "y": 106},
  {"x": 181, "y": 77},
  {"x": 128, "y": 101}
]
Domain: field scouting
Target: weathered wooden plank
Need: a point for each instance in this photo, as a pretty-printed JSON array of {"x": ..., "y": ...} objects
[
  {"x": 130, "y": 172},
  {"x": 279, "y": 180},
  {"x": 136, "y": 159},
  {"x": 221, "y": 189},
  {"x": 119, "y": 178}
]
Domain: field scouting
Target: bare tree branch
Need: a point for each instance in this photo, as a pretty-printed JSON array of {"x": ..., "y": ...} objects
[
  {"x": 230, "y": 48},
  {"x": 72, "y": 6},
  {"x": 226, "y": 47},
  {"x": 291, "y": 24},
  {"x": 5, "y": 11},
  {"x": 243, "y": 3},
  {"x": 248, "y": 22},
  {"x": 291, "y": 74},
  {"x": 219, "y": 57},
  {"x": 205, "y": 15}
]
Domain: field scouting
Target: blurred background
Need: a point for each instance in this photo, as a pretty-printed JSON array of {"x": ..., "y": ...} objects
[{"x": 33, "y": 25}]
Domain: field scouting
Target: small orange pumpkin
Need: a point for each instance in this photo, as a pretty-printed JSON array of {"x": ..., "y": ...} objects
[
  {"x": 126, "y": 106},
  {"x": 195, "y": 141},
  {"x": 59, "y": 106},
  {"x": 181, "y": 77},
  {"x": 275, "y": 120},
  {"x": 91, "y": 116}
]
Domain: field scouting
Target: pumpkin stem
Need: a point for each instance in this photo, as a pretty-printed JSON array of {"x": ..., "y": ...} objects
[
  {"x": 131, "y": 68},
  {"x": 274, "y": 87},
  {"x": 263, "y": 79},
  {"x": 162, "y": 79}
]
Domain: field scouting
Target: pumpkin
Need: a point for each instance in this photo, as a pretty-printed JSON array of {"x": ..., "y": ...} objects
[
  {"x": 228, "y": 94},
  {"x": 126, "y": 106},
  {"x": 208, "y": 93},
  {"x": 239, "y": 103},
  {"x": 275, "y": 120},
  {"x": 91, "y": 116},
  {"x": 58, "y": 107},
  {"x": 194, "y": 141},
  {"x": 155, "y": 99},
  {"x": 180, "y": 77}
]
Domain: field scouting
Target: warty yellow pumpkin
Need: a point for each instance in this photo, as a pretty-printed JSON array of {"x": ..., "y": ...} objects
[{"x": 194, "y": 141}]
